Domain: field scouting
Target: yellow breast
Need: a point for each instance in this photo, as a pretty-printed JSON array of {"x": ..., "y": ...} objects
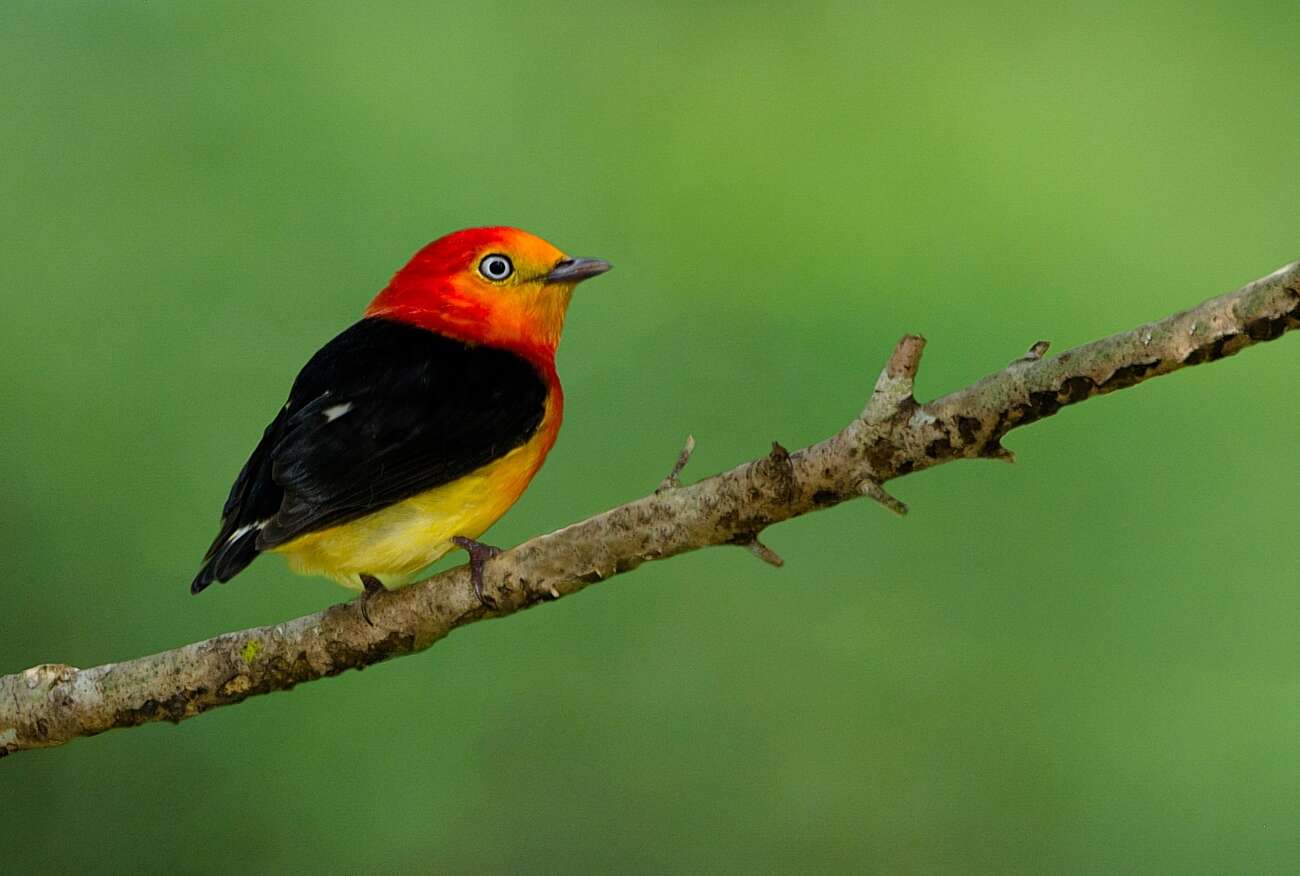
[{"x": 395, "y": 543}]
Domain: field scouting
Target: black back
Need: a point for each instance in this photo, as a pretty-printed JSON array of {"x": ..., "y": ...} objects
[{"x": 381, "y": 413}]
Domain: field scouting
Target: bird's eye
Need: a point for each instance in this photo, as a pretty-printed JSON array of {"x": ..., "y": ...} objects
[{"x": 496, "y": 267}]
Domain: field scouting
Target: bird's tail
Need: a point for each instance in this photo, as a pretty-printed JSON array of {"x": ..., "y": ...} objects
[{"x": 227, "y": 557}]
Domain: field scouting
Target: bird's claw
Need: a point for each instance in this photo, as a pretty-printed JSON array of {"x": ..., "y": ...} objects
[
  {"x": 372, "y": 586},
  {"x": 479, "y": 554}
]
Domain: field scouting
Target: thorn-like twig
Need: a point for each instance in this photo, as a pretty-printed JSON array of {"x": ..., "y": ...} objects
[
  {"x": 674, "y": 479},
  {"x": 778, "y": 468},
  {"x": 906, "y": 359},
  {"x": 781, "y": 457},
  {"x": 896, "y": 383},
  {"x": 764, "y": 553},
  {"x": 1036, "y": 352},
  {"x": 874, "y": 491}
]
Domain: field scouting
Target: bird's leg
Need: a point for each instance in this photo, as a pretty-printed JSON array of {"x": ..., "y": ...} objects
[
  {"x": 479, "y": 554},
  {"x": 373, "y": 585}
]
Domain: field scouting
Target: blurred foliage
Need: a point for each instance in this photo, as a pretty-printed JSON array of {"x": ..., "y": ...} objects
[{"x": 1085, "y": 662}]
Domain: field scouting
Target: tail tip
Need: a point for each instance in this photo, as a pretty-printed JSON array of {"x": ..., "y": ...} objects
[{"x": 201, "y": 581}]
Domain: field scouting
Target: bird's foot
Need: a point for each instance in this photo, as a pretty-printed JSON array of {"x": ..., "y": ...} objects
[
  {"x": 479, "y": 554},
  {"x": 372, "y": 586}
]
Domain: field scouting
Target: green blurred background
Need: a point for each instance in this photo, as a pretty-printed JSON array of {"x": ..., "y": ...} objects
[{"x": 1084, "y": 662}]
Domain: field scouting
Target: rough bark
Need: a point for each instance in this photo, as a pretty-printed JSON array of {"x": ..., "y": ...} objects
[{"x": 50, "y": 704}]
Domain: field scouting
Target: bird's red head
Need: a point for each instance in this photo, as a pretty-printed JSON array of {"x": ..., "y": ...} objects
[{"x": 498, "y": 286}]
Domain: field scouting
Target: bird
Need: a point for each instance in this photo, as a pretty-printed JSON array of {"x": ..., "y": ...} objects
[{"x": 417, "y": 427}]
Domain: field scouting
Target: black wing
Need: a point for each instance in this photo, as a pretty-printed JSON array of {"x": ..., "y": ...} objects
[{"x": 383, "y": 412}]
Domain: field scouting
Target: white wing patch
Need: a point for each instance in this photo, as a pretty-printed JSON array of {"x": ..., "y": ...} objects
[
  {"x": 333, "y": 413},
  {"x": 244, "y": 530}
]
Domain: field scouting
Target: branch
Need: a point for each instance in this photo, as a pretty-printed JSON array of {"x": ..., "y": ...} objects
[{"x": 894, "y": 436}]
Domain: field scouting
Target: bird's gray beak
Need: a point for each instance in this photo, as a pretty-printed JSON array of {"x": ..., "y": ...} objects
[{"x": 577, "y": 270}]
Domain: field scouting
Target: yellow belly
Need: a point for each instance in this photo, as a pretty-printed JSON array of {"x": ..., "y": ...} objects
[{"x": 395, "y": 543}]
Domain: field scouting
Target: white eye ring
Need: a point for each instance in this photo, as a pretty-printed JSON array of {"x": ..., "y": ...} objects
[{"x": 496, "y": 267}]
